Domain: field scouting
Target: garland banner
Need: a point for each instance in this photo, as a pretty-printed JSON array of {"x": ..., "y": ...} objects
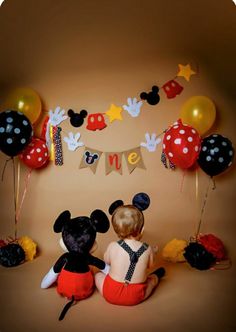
[
  {"x": 90, "y": 159},
  {"x": 113, "y": 160},
  {"x": 134, "y": 159}
]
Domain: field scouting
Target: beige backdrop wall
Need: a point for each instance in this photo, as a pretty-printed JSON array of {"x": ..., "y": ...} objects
[{"x": 88, "y": 54}]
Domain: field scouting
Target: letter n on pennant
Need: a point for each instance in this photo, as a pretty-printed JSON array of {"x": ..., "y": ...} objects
[{"x": 113, "y": 162}]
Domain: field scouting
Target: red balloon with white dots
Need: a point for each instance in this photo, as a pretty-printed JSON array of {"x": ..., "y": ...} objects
[
  {"x": 36, "y": 154},
  {"x": 181, "y": 144}
]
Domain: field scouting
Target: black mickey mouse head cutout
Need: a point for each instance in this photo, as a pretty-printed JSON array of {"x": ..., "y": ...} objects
[
  {"x": 151, "y": 97},
  {"x": 141, "y": 201},
  {"x": 90, "y": 157},
  {"x": 77, "y": 119}
]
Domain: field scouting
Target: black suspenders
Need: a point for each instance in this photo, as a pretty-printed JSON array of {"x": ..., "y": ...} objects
[{"x": 134, "y": 256}]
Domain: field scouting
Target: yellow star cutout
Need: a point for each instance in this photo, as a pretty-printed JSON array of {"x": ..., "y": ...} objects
[
  {"x": 114, "y": 113},
  {"x": 185, "y": 71}
]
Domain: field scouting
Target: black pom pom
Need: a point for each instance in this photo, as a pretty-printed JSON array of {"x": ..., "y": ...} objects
[
  {"x": 115, "y": 205},
  {"x": 11, "y": 255},
  {"x": 141, "y": 201},
  {"x": 197, "y": 256}
]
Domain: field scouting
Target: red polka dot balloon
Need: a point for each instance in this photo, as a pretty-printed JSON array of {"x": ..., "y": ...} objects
[
  {"x": 181, "y": 144},
  {"x": 35, "y": 155}
]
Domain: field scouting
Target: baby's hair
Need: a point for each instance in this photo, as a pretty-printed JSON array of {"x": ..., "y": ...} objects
[{"x": 127, "y": 221}]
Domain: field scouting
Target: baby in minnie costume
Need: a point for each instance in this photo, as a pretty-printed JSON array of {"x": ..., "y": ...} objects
[
  {"x": 128, "y": 282},
  {"x": 71, "y": 271}
]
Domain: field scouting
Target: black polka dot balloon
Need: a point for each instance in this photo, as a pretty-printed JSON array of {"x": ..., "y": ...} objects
[
  {"x": 216, "y": 154},
  {"x": 15, "y": 132}
]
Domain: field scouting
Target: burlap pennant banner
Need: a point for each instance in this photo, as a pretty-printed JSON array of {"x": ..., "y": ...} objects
[
  {"x": 113, "y": 162},
  {"x": 134, "y": 159},
  {"x": 90, "y": 159}
]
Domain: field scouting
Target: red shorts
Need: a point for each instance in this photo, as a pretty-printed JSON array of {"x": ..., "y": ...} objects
[
  {"x": 116, "y": 292},
  {"x": 80, "y": 285}
]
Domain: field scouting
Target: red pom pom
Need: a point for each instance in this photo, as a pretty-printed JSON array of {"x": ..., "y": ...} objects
[
  {"x": 213, "y": 245},
  {"x": 2, "y": 243}
]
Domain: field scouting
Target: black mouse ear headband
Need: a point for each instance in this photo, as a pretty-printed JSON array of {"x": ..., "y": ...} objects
[
  {"x": 141, "y": 201},
  {"x": 115, "y": 205},
  {"x": 61, "y": 220}
]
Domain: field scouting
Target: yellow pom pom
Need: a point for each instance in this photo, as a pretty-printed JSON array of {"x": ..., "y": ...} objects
[
  {"x": 29, "y": 247},
  {"x": 173, "y": 251}
]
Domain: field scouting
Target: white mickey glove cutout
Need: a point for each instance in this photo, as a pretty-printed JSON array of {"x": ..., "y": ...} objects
[
  {"x": 151, "y": 143},
  {"x": 72, "y": 141},
  {"x": 133, "y": 107},
  {"x": 56, "y": 117}
]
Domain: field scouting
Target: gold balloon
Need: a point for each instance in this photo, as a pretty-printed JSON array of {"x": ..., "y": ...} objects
[
  {"x": 199, "y": 112},
  {"x": 26, "y": 101}
]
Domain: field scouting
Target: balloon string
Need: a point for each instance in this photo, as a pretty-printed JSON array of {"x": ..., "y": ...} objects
[
  {"x": 214, "y": 183},
  {"x": 28, "y": 175},
  {"x": 197, "y": 184},
  {"x": 4, "y": 167},
  {"x": 203, "y": 207},
  {"x": 196, "y": 194},
  {"x": 14, "y": 189},
  {"x": 182, "y": 181},
  {"x": 18, "y": 183}
]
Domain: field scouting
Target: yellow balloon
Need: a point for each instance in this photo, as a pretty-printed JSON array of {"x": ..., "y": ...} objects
[
  {"x": 198, "y": 112},
  {"x": 26, "y": 101}
]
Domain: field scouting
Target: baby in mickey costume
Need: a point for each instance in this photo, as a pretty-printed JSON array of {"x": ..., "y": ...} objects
[
  {"x": 127, "y": 282},
  {"x": 71, "y": 271}
]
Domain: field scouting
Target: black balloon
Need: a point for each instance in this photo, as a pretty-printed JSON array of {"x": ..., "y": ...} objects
[
  {"x": 197, "y": 256},
  {"x": 216, "y": 154},
  {"x": 15, "y": 132}
]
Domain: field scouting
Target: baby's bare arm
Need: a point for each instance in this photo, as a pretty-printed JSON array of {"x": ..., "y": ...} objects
[
  {"x": 155, "y": 249},
  {"x": 152, "y": 256},
  {"x": 107, "y": 257}
]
